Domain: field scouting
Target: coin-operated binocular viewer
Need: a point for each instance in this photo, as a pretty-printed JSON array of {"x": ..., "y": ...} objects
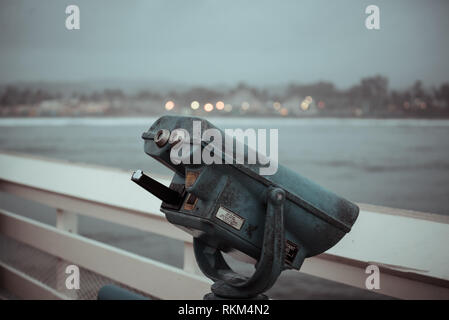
[{"x": 279, "y": 219}]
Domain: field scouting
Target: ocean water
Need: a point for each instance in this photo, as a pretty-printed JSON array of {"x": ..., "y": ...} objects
[{"x": 396, "y": 163}]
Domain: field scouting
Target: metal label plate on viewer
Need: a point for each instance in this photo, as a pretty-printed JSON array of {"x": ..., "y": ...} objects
[{"x": 230, "y": 218}]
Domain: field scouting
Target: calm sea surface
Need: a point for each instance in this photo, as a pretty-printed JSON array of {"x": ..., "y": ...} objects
[{"x": 396, "y": 163}]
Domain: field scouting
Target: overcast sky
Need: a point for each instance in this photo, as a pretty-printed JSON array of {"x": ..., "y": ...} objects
[{"x": 201, "y": 42}]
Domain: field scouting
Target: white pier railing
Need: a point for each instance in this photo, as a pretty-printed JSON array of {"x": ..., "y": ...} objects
[{"x": 407, "y": 247}]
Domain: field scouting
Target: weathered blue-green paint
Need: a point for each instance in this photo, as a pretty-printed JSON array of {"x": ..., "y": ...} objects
[{"x": 314, "y": 219}]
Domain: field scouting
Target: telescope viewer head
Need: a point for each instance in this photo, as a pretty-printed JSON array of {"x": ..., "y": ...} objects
[{"x": 224, "y": 203}]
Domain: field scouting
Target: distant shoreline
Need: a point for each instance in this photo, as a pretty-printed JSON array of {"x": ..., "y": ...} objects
[
  {"x": 243, "y": 122},
  {"x": 247, "y": 116}
]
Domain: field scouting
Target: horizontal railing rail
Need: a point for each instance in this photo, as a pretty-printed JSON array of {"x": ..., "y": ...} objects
[{"x": 407, "y": 247}]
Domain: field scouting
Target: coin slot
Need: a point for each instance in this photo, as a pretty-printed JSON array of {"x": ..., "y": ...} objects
[{"x": 190, "y": 202}]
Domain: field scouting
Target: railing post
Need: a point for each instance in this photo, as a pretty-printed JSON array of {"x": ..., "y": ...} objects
[
  {"x": 190, "y": 264},
  {"x": 67, "y": 221}
]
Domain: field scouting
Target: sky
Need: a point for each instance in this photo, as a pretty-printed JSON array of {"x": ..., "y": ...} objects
[{"x": 210, "y": 42}]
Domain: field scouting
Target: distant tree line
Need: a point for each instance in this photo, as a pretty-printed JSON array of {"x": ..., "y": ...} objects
[
  {"x": 372, "y": 96},
  {"x": 13, "y": 96}
]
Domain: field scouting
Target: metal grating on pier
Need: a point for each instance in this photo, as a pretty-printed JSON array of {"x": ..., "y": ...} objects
[{"x": 50, "y": 271}]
